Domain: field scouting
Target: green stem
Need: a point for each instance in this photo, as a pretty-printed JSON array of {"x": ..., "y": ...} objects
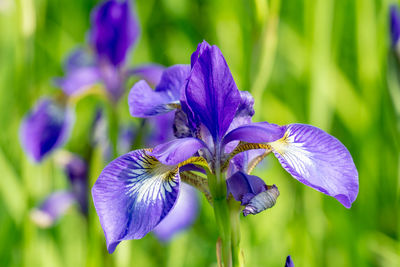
[
  {"x": 235, "y": 232},
  {"x": 226, "y": 217}
]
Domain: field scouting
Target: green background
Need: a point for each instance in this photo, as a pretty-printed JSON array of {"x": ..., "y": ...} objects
[{"x": 321, "y": 62}]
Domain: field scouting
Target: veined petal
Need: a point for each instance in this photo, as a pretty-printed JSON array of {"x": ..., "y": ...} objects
[
  {"x": 252, "y": 192},
  {"x": 146, "y": 102},
  {"x": 52, "y": 208},
  {"x": 181, "y": 216},
  {"x": 45, "y": 128},
  {"x": 132, "y": 195},
  {"x": 260, "y": 132},
  {"x": 318, "y": 160},
  {"x": 242, "y": 117},
  {"x": 151, "y": 72},
  {"x": 211, "y": 92},
  {"x": 172, "y": 80},
  {"x": 177, "y": 150},
  {"x": 114, "y": 30}
]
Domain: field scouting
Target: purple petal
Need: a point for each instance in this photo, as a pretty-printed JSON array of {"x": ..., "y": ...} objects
[
  {"x": 151, "y": 73},
  {"x": 77, "y": 80},
  {"x": 243, "y": 187},
  {"x": 160, "y": 129},
  {"x": 52, "y": 208},
  {"x": 182, "y": 215},
  {"x": 211, "y": 92},
  {"x": 242, "y": 117},
  {"x": 241, "y": 161},
  {"x": 260, "y": 132},
  {"x": 114, "y": 30},
  {"x": 177, "y": 151},
  {"x": 132, "y": 195},
  {"x": 289, "y": 262},
  {"x": 113, "y": 80},
  {"x": 146, "y": 102},
  {"x": 45, "y": 128},
  {"x": 394, "y": 24},
  {"x": 252, "y": 192},
  {"x": 318, "y": 160},
  {"x": 172, "y": 80},
  {"x": 77, "y": 59},
  {"x": 200, "y": 49}
]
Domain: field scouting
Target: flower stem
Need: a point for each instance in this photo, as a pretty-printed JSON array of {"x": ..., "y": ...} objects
[{"x": 226, "y": 216}]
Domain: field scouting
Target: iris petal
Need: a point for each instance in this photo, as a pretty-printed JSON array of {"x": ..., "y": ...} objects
[
  {"x": 318, "y": 160},
  {"x": 211, "y": 92},
  {"x": 252, "y": 192},
  {"x": 77, "y": 80},
  {"x": 259, "y": 132},
  {"x": 177, "y": 150},
  {"x": 132, "y": 195},
  {"x": 45, "y": 128},
  {"x": 146, "y": 102},
  {"x": 181, "y": 216},
  {"x": 114, "y": 30}
]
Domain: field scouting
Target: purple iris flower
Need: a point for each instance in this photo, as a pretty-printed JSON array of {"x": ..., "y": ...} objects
[
  {"x": 113, "y": 33},
  {"x": 57, "y": 203},
  {"x": 289, "y": 262},
  {"x": 394, "y": 25},
  {"x": 46, "y": 127},
  {"x": 213, "y": 123}
]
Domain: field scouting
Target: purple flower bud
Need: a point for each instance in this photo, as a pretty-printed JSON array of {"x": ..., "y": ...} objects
[
  {"x": 114, "y": 31},
  {"x": 45, "y": 128}
]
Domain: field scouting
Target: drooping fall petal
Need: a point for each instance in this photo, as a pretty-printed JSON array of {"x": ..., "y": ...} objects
[{"x": 132, "y": 195}]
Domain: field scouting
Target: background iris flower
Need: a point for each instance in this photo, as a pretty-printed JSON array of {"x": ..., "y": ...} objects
[{"x": 143, "y": 185}]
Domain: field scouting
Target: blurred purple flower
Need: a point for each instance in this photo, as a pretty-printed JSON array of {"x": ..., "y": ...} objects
[
  {"x": 289, "y": 262},
  {"x": 113, "y": 33},
  {"x": 213, "y": 116},
  {"x": 57, "y": 203},
  {"x": 394, "y": 25},
  {"x": 44, "y": 128}
]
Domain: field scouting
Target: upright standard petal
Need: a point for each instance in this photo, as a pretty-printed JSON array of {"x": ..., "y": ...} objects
[
  {"x": 45, "y": 128},
  {"x": 132, "y": 195},
  {"x": 177, "y": 151},
  {"x": 318, "y": 160},
  {"x": 114, "y": 30},
  {"x": 181, "y": 216},
  {"x": 52, "y": 208},
  {"x": 146, "y": 102},
  {"x": 211, "y": 92}
]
